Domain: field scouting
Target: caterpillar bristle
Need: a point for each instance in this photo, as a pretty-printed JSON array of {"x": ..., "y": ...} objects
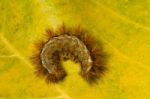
[
  {"x": 49, "y": 33},
  {"x": 52, "y": 78},
  {"x": 64, "y": 30}
]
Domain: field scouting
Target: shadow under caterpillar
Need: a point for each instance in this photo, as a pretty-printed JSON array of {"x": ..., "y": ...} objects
[{"x": 68, "y": 43}]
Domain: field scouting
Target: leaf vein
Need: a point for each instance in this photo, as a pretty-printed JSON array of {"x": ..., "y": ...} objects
[{"x": 124, "y": 18}]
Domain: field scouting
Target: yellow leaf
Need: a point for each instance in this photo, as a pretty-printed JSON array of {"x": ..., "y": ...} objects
[{"x": 122, "y": 25}]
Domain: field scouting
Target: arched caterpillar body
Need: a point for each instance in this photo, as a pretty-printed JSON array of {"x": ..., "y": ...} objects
[{"x": 75, "y": 44}]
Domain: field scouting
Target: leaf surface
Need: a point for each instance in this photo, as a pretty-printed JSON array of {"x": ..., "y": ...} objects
[{"x": 122, "y": 25}]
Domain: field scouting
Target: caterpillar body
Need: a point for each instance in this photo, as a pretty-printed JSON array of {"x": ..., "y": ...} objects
[{"x": 75, "y": 44}]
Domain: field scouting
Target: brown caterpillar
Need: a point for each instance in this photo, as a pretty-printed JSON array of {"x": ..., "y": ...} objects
[{"x": 68, "y": 43}]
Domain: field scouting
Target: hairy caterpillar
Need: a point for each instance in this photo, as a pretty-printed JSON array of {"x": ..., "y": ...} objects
[{"x": 68, "y": 43}]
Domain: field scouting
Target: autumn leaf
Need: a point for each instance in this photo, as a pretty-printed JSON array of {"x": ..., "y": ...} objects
[{"x": 122, "y": 26}]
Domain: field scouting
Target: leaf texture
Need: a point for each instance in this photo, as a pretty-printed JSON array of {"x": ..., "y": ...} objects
[{"x": 122, "y": 25}]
